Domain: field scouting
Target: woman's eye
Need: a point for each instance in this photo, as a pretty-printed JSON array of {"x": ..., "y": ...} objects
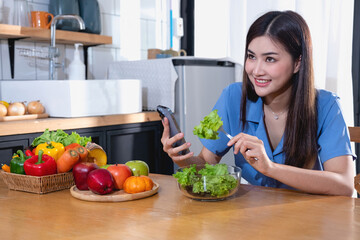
[
  {"x": 270, "y": 59},
  {"x": 250, "y": 56}
]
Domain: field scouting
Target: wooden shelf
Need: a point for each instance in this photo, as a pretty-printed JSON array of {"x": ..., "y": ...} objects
[
  {"x": 43, "y": 35},
  {"x": 14, "y": 32}
]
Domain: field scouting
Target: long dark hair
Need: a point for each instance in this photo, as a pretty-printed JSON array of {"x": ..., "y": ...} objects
[{"x": 291, "y": 31}]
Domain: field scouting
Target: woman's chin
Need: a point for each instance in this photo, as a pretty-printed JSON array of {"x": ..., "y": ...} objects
[{"x": 261, "y": 92}]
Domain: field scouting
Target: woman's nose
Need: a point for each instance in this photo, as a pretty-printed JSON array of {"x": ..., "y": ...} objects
[{"x": 258, "y": 68}]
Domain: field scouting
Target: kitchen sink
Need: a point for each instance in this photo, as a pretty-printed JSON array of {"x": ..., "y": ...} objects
[{"x": 77, "y": 98}]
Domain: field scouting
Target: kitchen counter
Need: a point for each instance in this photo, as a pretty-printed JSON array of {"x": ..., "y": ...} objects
[
  {"x": 39, "y": 125},
  {"x": 254, "y": 213}
]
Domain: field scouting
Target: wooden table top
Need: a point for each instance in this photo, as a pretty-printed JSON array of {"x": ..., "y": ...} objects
[{"x": 254, "y": 213}]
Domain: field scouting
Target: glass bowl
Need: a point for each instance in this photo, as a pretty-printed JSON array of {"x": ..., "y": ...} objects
[{"x": 209, "y": 184}]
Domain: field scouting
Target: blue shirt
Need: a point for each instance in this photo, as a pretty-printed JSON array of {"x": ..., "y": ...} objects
[{"x": 333, "y": 135}]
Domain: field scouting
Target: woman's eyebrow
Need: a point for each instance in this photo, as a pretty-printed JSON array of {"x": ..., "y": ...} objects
[
  {"x": 264, "y": 54},
  {"x": 270, "y": 53}
]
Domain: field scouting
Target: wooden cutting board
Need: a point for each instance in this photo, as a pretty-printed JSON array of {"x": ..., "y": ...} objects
[
  {"x": 116, "y": 196},
  {"x": 23, "y": 117}
]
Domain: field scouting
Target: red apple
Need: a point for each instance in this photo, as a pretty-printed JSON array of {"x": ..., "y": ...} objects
[
  {"x": 120, "y": 173},
  {"x": 80, "y": 173},
  {"x": 100, "y": 181}
]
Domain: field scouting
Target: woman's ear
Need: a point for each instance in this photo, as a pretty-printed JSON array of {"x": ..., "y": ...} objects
[{"x": 297, "y": 65}]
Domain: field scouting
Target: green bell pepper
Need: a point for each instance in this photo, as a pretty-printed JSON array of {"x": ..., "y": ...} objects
[{"x": 17, "y": 162}]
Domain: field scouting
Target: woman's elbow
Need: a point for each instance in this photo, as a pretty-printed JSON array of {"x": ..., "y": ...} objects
[{"x": 346, "y": 190}]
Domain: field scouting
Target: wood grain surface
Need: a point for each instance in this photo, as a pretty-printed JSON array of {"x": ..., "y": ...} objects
[
  {"x": 116, "y": 196},
  {"x": 43, "y": 35},
  {"x": 354, "y": 134},
  {"x": 23, "y": 117},
  {"x": 253, "y": 213},
  {"x": 39, "y": 125}
]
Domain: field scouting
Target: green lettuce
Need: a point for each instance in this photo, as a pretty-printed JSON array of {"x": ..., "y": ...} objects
[
  {"x": 218, "y": 182},
  {"x": 61, "y": 137},
  {"x": 208, "y": 128},
  {"x": 47, "y": 136},
  {"x": 76, "y": 138}
]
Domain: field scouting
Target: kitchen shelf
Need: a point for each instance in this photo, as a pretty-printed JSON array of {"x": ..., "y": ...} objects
[
  {"x": 43, "y": 35},
  {"x": 13, "y": 33}
]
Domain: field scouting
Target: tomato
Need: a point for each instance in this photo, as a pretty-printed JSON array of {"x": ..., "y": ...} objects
[{"x": 120, "y": 173}]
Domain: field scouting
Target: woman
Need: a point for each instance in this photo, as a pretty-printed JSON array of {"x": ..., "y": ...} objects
[{"x": 286, "y": 133}]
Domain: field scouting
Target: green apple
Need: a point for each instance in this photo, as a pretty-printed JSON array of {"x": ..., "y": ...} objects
[
  {"x": 106, "y": 166},
  {"x": 138, "y": 167}
]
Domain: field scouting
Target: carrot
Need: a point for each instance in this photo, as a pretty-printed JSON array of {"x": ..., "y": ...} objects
[
  {"x": 83, "y": 153},
  {"x": 67, "y": 160}
]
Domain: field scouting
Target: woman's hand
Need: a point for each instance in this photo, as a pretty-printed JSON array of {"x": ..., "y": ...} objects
[
  {"x": 253, "y": 151},
  {"x": 168, "y": 142}
]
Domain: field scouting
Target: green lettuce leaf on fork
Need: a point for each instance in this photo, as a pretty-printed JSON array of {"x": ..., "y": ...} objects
[{"x": 208, "y": 128}]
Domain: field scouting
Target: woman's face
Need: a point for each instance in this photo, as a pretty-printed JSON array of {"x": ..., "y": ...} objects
[{"x": 269, "y": 67}]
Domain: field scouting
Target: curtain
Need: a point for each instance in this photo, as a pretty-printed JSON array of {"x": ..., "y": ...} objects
[
  {"x": 331, "y": 26},
  {"x": 221, "y": 27}
]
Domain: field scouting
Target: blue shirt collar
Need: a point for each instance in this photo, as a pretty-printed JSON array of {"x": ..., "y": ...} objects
[
  {"x": 254, "y": 113},
  {"x": 254, "y": 110}
]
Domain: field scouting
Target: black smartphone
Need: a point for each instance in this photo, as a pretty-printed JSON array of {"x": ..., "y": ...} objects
[{"x": 174, "y": 127}]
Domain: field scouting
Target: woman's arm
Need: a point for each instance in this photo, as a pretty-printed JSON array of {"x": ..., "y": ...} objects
[{"x": 336, "y": 179}]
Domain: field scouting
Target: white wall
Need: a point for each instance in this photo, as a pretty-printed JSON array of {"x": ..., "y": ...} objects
[{"x": 135, "y": 26}]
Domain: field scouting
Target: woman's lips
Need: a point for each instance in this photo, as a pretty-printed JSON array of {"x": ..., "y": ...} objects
[{"x": 261, "y": 82}]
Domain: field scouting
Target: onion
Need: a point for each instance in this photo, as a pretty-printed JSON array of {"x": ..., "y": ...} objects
[
  {"x": 35, "y": 107},
  {"x": 3, "y": 110},
  {"x": 16, "y": 109}
]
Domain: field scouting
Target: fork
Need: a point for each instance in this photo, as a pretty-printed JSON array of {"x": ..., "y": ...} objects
[
  {"x": 222, "y": 130},
  {"x": 230, "y": 137}
]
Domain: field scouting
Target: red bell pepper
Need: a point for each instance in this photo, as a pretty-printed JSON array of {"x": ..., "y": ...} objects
[
  {"x": 29, "y": 153},
  {"x": 40, "y": 165}
]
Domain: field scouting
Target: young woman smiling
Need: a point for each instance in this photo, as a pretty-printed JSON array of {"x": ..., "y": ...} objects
[{"x": 286, "y": 133}]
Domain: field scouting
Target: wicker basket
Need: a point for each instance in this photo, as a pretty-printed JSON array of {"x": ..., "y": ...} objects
[{"x": 41, "y": 185}]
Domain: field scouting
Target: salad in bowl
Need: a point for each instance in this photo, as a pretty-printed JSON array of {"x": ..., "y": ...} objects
[{"x": 208, "y": 182}]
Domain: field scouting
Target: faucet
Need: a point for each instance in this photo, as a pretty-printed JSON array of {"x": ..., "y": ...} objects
[{"x": 54, "y": 51}]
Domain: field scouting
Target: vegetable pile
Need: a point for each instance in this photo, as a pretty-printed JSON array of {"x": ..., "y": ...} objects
[
  {"x": 209, "y": 126},
  {"x": 50, "y": 153},
  {"x": 58, "y": 152},
  {"x": 212, "y": 179}
]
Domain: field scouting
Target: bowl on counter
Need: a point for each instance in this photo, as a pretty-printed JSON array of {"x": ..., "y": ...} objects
[{"x": 205, "y": 183}]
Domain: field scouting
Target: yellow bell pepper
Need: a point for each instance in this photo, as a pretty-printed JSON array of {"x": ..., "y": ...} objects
[{"x": 52, "y": 149}]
